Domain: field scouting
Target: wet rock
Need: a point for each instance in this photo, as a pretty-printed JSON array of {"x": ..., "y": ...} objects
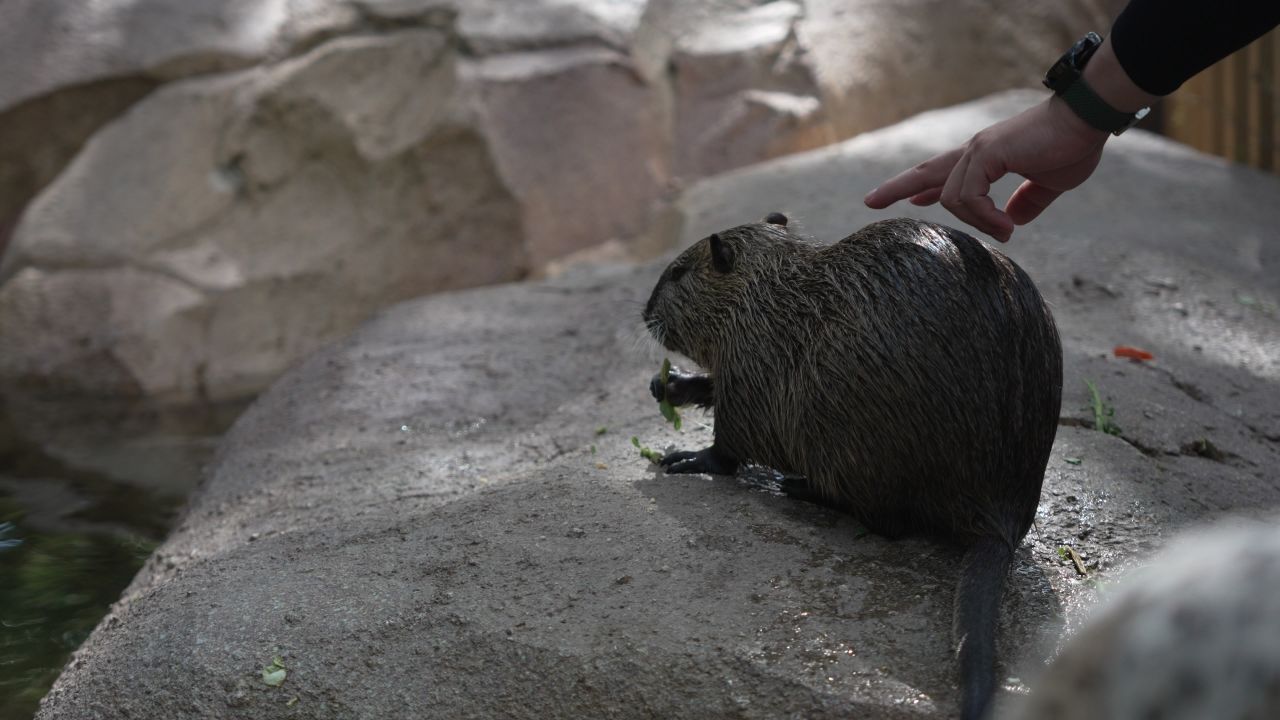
[{"x": 1189, "y": 635}]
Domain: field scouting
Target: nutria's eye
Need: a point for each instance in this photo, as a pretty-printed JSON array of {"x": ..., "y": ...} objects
[{"x": 678, "y": 272}]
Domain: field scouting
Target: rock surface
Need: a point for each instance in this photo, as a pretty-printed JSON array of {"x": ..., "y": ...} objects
[
  {"x": 1190, "y": 636},
  {"x": 442, "y": 515},
  {"x": 744, "y": 91},
  {"x": 319, "y": 227},
  {"x": 194, "y": 196},
  {"x": 880, "y": 61}
]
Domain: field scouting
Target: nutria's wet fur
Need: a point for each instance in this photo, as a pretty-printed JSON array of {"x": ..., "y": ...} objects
[{"x": 911, "y": 374}]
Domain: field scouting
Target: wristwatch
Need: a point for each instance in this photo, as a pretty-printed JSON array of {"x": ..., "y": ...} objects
[{"x": 1066, "y": 80}]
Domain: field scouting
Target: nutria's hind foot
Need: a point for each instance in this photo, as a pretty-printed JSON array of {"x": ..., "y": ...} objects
[
  {"x": 711, "y": 461},
  {"x": 800, "y": 488},
  {"x": 683, "y": 389}
]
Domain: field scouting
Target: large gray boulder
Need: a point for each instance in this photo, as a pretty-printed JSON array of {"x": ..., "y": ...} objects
[
  {"x": 319, "y": 188},
  {"x": 195, "y": 195},
  {"x": 442, "y": 515},
  {"x": 68, "y": 67},
  {"x": 743, "y": 91}
]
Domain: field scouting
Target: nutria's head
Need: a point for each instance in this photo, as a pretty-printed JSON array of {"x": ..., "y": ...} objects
[{"x": 698, "y": 292}]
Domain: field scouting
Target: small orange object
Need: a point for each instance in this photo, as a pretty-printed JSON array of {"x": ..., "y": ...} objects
[{"x": 1132, "y": 353}]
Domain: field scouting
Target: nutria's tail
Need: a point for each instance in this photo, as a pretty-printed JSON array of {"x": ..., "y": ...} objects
[{"x": 977, "y": 604}]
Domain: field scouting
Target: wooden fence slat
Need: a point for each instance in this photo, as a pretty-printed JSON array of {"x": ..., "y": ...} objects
[
  {"x": 1273, "y": 88},
  {"x": 1250, "y": 130},
  {"x": 1233, "y": 108},
  {"x": 1265, "y": 96}
]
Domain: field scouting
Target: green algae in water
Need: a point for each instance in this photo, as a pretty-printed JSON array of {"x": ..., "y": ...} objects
[
  {"x": 54, "y": 588},
  {"x": 58, "y": 577}
]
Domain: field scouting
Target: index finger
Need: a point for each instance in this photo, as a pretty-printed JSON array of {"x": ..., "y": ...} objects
[{"x": 931, "y": 173}]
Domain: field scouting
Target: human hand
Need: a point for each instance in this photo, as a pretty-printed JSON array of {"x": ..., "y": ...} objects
[{"x": 1047, "y": 144}]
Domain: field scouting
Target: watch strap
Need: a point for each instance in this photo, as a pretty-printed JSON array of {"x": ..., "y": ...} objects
[{"x": 1094, "y": 110}]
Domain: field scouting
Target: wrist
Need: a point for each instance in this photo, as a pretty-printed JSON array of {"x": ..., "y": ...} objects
[
  {"x": 1072, "y": 123},
  {"x": 1106, "y": 77}
]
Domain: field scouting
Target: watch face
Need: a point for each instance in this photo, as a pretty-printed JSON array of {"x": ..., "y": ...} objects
[
  {"x": 1084, "y": 49},
  {"x": 1071, "y": 64},
  {"x": 1061, "y": 74},
  {"x": 1078, "y": 49}
]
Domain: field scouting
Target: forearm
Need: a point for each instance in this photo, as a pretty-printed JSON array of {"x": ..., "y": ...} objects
[
  {"x": 1162, "y": 43},
  {"x": 1107, "y": 78}
]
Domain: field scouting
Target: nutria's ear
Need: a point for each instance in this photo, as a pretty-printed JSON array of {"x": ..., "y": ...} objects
[
  {"x": 721, "y": 254},
  {"x": 776, "y": 218}
]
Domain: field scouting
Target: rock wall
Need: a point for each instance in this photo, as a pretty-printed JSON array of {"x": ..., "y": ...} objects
[{"x": 192, "y": 196}]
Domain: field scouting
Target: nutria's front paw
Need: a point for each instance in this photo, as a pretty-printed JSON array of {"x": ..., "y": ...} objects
[
  {"x": 706, "y": 460},
  {"x": 683, "y": 389},
  {"x": 657, "y": 389}
]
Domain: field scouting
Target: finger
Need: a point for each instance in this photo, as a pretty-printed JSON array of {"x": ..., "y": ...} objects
[
  {"x": 929, "y": 174},
  {"x": 950, "y": 196},
  {"x": 1028, "y": 201},
  {"x": 965, "y": 194},
  {"x": 928, "y": 197},
  {"x": 975, "y": 195}
]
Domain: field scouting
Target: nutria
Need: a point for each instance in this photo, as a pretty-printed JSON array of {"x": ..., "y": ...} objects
[{"x": 911, "y": 375}]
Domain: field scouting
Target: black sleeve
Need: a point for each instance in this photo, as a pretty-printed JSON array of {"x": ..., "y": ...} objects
[{"x": 1162, "y": 43}]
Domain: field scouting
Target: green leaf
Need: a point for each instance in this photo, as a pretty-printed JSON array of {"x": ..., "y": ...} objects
[
  {"x": 651, "y": 455},
  {"x": 273, "y": 675},
  {"x": 1072, "y": 460},
  {"x": 1102, "y": 412},
  {"x": 668, "y": 410}
]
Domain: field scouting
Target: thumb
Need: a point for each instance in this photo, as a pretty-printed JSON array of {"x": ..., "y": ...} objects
[{"x": 1028, "y": 201}]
